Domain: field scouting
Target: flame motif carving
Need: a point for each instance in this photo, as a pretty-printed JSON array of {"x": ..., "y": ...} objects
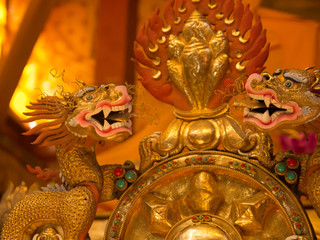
[{"x": 192, "y": 58}]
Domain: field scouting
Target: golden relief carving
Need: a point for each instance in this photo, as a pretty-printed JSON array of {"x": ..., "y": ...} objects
[
  {"x": 205, "y": 177},
  {"x": 211, "y": 195}
]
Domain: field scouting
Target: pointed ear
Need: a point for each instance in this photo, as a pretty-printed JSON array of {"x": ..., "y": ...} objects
[{"x": 315, "y": 87}]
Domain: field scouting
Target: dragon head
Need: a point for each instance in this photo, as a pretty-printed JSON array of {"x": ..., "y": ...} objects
[
  {"x": 287, "y": 97},
  {"x": 98, "y": 113}
]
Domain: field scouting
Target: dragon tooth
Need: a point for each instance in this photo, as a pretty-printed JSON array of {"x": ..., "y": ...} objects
[
  {"x": 45, "y": 189},
  {"x": 117, "y": 124},
  {"x": 129, "y": 124},
  {"x": 115, "y": 108},
  {"x": 106, "y": 125},
  {"x": 266, "y": 117},
  {"x": 51, "y": 187},
  {"x": 106, "y": 111},
  {"x": 267, "y": 101},
  {"x": 274, "y": 116},
  {"x": 87, "y": 117},
  {"x": 246, "y": 111},
  {"x": 130, "y": 108},
  {"x": 99, "y": 125},
  {"x": 73, "y": 122}
]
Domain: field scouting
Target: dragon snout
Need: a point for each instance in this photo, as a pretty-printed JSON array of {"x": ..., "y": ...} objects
[{"x": 253, "y": 78}]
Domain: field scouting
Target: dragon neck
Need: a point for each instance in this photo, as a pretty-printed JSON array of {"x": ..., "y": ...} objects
[{"x": 78, "y": 165}]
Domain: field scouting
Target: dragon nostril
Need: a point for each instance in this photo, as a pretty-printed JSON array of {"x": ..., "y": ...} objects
[{"x": 107, "y": 87}]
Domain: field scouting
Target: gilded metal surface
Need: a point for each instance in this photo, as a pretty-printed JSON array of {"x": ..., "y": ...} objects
[
  {"x": 48, "y": 234},
  {"x": 200, "y": 187},
  {"x": 207, "y": 49},
  {"x": 207, "y": 195},
  {"x": 198, "y": 61},
  {"x": 288, "y": 98},
  {"x": 79, "y": 121},
  {"x": 291, "y": 93},
  {"x": 204, "y": 194}
]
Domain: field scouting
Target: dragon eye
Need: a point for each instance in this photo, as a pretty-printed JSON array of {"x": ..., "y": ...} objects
[
  {"x": 89, "y": 97},
  {"x": 288, "y": 84}
]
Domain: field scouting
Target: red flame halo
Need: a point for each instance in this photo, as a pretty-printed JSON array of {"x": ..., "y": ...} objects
[{"x": 254, "y": 50}]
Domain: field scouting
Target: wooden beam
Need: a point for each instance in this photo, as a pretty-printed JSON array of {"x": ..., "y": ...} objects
[{"x": 12, "y": 64}]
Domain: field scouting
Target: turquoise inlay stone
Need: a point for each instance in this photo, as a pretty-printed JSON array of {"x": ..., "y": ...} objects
[
  {"x": 121, "y": 183},
  {"x": 296, "y": 218},
  {"x": 200, "y": 217},
  {"x": 116, "y": 222},
  {"x": 159, "y": 169},
  {"x": 291, "y": 176},
  {"x": 130, "y": 175},
  {"x": 169, "y": 164},
  {"x": 299, "y": 232},
  {"x": 271, "y": 183},
  {"x": 193, "y": 159},
  {"x": 281, "y": 167},
  {"x": 236, "y": 163},
  {"x": 204, "y": 159},
  {"x": 113, "y": 234},
  {"x": 248, "y": 168}
]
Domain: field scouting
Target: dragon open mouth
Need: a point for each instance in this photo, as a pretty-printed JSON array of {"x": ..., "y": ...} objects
[
  {"x": 113, "y": 117},
  {"x": 267, "y": 109}
]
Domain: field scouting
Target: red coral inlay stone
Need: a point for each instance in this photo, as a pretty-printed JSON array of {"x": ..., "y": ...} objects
[
  {"x": 292, "y": 162},
  {"x": 118, "y": 171}
]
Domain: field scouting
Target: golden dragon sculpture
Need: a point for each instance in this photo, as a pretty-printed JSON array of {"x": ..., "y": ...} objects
[
  {"x": 288, "y": 99},
  {"x": 77, "y": 122}
]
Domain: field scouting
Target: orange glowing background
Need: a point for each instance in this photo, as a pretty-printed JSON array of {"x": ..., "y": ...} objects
[{"x": 62, "y": 54}]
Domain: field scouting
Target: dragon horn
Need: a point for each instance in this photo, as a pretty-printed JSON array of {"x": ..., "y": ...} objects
[
  {"x": 315, "y": 87},
  {"x": 309, "y": 68}
]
